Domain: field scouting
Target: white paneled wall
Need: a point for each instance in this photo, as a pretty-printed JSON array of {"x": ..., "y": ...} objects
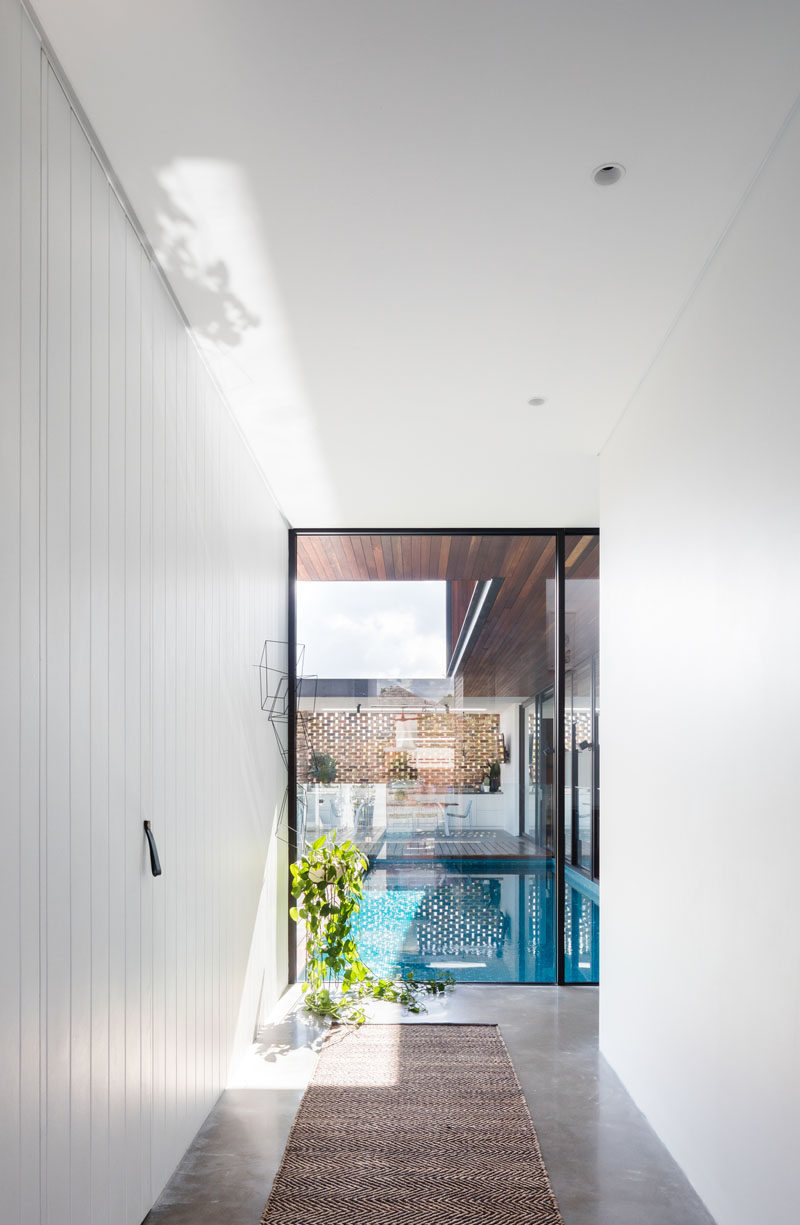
[{"x": 142, "y": 564}]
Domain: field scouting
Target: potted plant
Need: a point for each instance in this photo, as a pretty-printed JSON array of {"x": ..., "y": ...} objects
[
  {"x": 327, "y": 883},
  {"x": 401, "y": 773},
  {"x": 493, "y": 771},
  {"x": 328, "y": 887},
  {"x": 322, "y": 768}
]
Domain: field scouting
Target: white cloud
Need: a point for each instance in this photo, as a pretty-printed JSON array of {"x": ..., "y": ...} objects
[{"x": 372, "y": 629}]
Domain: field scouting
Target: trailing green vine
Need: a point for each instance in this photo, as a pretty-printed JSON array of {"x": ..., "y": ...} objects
[{"x": 327, "y": 883}]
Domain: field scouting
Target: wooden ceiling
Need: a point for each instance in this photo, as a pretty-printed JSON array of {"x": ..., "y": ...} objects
[
  {"x": 512, "y": 655},
  {"x": 388, "y": 556}
]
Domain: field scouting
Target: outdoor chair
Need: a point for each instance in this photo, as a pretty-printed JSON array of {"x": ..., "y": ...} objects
[
  {"x": 329, "y": 813},
  {"x": 364, "y": 816},
  {"x": 450, "y": 815}
]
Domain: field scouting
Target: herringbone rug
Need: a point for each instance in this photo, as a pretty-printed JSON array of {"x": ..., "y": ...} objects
[{"x": 413, "y": 1125}]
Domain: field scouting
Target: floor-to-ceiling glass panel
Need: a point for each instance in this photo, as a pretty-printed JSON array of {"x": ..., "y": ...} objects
[
  {"x": 482, "y": 921},
  {"x": 581, "y": 928},
  {"x": 596, "y": 768},
  {"x": 570, "y": 771},
  {"x": 538, "y": 791},
  {"x": 582, "y": 758},
  {"x": 432, "y": 772},
  {"x": 581, "y": 753}
]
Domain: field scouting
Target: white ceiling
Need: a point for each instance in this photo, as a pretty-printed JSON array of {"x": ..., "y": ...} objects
[{"x": 379, "y": 218}]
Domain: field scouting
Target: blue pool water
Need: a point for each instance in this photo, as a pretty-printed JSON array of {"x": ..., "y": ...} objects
[{"x": 490, "y": 921}]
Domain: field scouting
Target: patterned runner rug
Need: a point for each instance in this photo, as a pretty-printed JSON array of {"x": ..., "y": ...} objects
[{"x": 413, "y": 1125}]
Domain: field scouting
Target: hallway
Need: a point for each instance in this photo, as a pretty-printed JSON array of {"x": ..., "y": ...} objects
[
  {"x": 314, "y": 293},
  {"x": 606, "y": 1165}
]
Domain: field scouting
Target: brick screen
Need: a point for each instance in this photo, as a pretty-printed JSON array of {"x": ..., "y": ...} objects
[{"x": 445, "y": 748}]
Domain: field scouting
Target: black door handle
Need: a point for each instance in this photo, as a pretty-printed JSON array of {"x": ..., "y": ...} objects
[{"x": 155, "y": 862}]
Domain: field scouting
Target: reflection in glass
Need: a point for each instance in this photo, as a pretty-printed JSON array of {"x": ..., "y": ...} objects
[
  {"x": 582, "y": 930},
  {"x": 487, "y": 922},
  {"x": 539, "y": 783},
  {"x": 581, "y": 719},
  {"x": 569, "y": 769},
  {"x": 448, "y": 782},
  {"x": 581, "y": 759}
]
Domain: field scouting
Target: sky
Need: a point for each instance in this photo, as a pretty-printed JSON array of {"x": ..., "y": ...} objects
[{"x": 372, "y": 629}]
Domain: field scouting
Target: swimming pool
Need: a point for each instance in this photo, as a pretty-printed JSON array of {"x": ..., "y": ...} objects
[{"x": 483, "y": 921}]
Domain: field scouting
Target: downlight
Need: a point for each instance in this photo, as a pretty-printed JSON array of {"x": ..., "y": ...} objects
[
  {"x": 537, "y": 401},
  {"x": 608, "y": 174}
]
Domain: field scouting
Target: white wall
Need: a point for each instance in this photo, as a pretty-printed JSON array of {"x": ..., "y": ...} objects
[
  {"x": 142, "y": 563},
  {"x": 700, "y": 973}
]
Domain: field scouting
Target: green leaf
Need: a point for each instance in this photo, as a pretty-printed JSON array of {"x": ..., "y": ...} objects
[
  {"x": 294, "y": 915},
  {"x": 328, "y": 908}
]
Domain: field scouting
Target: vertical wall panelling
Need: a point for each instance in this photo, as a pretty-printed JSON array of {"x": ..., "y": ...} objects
[
  {"x": 146, "y": 708},
  {"x": 29, "y": 642},
  {"x": 142, "y": 564},
  {"x": 164, "y": 677},
  {"x": 176, "y": 1044},
  {"x": 206, "y": 904},
  {"x": 42, "y": 409},
  {"x": 99, "y": 696},
  {"x": 57, "y": 649},
  {"x": 133, "y": 848},
  {"x": 188, "y": 683},
  {"x": 178, "y": 898},
  {"x": 10, "y": 619},
  {"x": 156, "y": 731},
  {"x": 195, "y": 1018},
  {"x": 214, "y": 496},
  {"x": 116, "y": 707},
  {"x": 79, "y": 668}
]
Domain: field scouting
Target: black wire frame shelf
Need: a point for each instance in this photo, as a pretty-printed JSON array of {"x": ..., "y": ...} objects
[{"x": 274, "y": 686}]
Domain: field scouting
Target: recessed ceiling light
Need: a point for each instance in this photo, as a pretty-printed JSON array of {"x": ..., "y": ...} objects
[
  {"x": 608, "y": 173},
  {"x": 537, "y": 401}
]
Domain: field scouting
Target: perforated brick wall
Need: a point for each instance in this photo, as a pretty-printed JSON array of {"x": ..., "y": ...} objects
[{"x": 442, "y": 748}]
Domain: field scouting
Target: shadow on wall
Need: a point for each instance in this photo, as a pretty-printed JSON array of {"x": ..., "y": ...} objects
[
  {"x": 210, "y": 234},
  {"x": 202, "y": 285}
]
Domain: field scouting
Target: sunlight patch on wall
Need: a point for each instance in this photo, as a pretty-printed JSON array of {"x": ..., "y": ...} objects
[{"x": 237, "y": 315}]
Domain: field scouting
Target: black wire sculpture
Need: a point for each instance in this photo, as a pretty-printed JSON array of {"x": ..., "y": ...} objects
[{"x": 274, "y": 685}]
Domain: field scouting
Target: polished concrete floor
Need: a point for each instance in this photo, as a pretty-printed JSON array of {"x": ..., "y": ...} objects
[{"x": 606, "y": 1165}]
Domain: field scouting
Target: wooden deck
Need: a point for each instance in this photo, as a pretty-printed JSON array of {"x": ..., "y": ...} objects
[
  {"x": 398, "y": 845},
  {"x": 466, "y": 844}
]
